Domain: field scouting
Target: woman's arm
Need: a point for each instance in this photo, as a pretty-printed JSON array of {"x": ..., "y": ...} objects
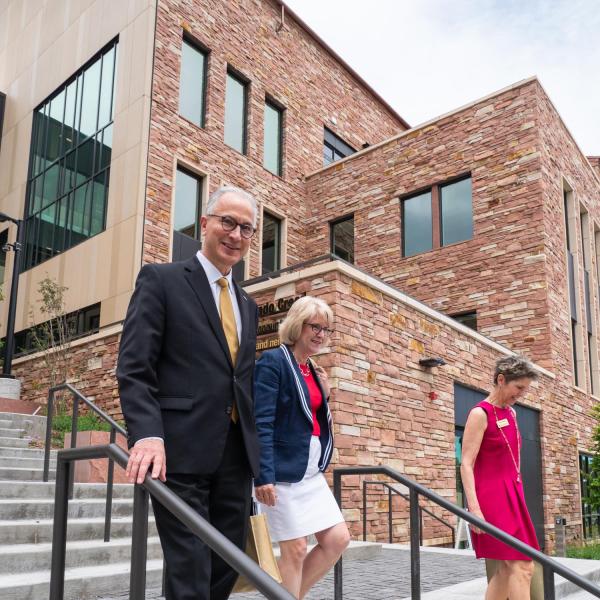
[{"x": 474, "y": 430}]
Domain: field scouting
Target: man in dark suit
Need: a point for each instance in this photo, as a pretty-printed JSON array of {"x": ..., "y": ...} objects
[{"x": 185, "y": 372}]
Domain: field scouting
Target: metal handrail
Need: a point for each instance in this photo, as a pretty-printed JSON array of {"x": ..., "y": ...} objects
[
  {"x": 392, "y": 490},
  {"x": 114, "y": 429},
  {"x": 550, "y": 566},
  {"x": 213, "y": 538}
]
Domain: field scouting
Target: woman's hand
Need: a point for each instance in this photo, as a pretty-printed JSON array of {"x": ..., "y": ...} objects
[
  {"x": 266, "y": 494},
  {"x": 476, "y": 513},
  {"x": 322, "y": 375}
]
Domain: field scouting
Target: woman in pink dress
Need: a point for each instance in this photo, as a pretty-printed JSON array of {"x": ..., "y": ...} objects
[{"x": 491, "y": 476}]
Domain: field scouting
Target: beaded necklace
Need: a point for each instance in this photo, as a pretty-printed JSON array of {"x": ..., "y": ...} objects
[{"x": 515, "y": 463}]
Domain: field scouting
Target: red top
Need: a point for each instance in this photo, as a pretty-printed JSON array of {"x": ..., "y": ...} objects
[{"x": 316, "y": 399}]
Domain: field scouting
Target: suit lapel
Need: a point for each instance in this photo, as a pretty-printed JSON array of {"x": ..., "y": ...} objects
[
  {"x": 303, "y": 395},
  {"x": 242, "y": 300},
  {"x": 196, "y": 277}
]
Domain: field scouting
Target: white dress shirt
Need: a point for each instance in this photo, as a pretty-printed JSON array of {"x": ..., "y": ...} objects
[{"x": 213, "y": 275}]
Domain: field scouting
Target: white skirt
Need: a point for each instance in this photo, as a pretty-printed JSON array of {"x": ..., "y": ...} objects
[{"x": 305, "y": 507}]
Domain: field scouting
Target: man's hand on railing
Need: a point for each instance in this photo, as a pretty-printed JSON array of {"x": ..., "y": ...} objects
[{"x": 145, "y": 453}]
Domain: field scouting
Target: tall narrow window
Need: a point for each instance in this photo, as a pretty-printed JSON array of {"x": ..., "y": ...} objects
[
  {"x": 334, "y": 148},
  {"x": 186, "y": 215},
  {"x": 589, "y": 517},
  {"x": 235, "y": 113},
  {"x": 273, "y": 138},
  {"x": 417, "y": 233},
  {"x": 69, "y": 167},
  {"x": 342, "y": 238},
  {"x": 192, "y": 83},
  {"x": 590, "y": 325},
  {"x": 456, "y": 212},
  {"x": 271, "y": 243}
]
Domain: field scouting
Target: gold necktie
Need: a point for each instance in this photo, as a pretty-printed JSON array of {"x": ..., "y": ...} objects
[{"x": 229, "y": 327}]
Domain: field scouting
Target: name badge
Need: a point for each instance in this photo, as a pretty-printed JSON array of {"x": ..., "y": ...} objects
[{"x": 502, "y": 423}]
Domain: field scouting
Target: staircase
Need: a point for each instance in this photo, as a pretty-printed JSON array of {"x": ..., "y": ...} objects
[{"x": 93, "y": 567}]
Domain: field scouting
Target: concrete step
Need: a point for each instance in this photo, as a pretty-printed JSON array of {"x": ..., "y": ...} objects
[
  {"x": 40, "y": 530},
  {"x": 12, "y": 442},
  {"x": 25, "y": 474},
  {"x": 25, "y": 463},
  {"x": 41, "y": 489},
  {"x": 22, "y": 558},
  {"x": 24, "y": 452},
  {"x": 5, "y": 422},
  {"x": 43, "y": 508},
  {"x": 81, "y": 583},
  {"x": 11, "y": 432}
]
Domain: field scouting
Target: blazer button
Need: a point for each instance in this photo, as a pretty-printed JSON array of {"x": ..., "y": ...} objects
[{"x": 229, "y": 410}]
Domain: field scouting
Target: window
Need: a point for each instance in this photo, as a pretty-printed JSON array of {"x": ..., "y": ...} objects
[
  {"x": 437, "y": 217},
  {"x": 3, "y": 242},
  {"x": 456, "y": 212},
  {"x": 334, "y": 148},
  {"x": 416, "y": 222},
  {"x": 192, "y": 83},
  {"x": 342, "y": 238},
  {"x": 69, "y": 167},
  {"x": 590, "y": 326},
  {"x": 2, "y": 105},
  {"x": 80, "y": 323},
  {"x": 469, "y": 319},
  {"x": 186, "y": 214},
  {"x": 271, "y": 243},
  {"x": 589, "y": 519},
  {"x": 235, "y": 112},
  {"x": 273, "y": 138}
]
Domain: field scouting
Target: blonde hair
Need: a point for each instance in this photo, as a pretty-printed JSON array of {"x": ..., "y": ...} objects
[{"x": 302, "y": 311}]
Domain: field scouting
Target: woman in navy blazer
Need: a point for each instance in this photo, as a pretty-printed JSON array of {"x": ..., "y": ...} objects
[{"x": 296, "y": 442}]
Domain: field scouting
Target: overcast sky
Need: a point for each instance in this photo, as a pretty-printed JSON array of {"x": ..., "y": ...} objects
[{"x": 428, "y": 57}]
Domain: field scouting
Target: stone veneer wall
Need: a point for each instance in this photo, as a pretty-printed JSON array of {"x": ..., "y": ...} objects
[
  {"x": 287, "y": 65},
  {"x": 497, "y": 272}
]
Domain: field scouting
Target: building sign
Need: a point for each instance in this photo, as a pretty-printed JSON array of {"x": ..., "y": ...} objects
[{"x": 270, "y": 315}]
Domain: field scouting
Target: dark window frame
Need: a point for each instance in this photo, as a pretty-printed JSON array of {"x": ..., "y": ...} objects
[
  {"x": 277, "y": 246},
  {"x": 2, "y": 110},
  {"x": 274, "y": 104},
  {"x": 332, "y": 224},
  {"x": 34, "y": 258},
  {"x": 201, "y": 181},
  {"x": 188, "y": 38},
  {"x": 245, "y": 82},
  {"x": 436, "y": 213},
  {"x": 466, "y": 315},
  {"x": 334, "y": 142}
]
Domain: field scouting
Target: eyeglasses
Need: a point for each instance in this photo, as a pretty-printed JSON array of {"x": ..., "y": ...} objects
[
  {"x": 229, "y": 224},
  {"x": 318, "y": 328}
]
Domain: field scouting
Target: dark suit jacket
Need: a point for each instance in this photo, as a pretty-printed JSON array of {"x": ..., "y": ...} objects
[
  {"x": 284, "y": 418},
  {"x": 176, "y": 379}
]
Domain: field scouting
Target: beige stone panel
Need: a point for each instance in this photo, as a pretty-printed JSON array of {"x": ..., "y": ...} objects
[
  {"x": 3, "y": 35},
  {"x": 31, "y": 48},
  {"x": 114, "y": 18},
  {"x": 137, "y": 123},
  {"x": 135, "y": 7},
  {"x": 75, "y": 8},
  {"x": 46, "y": 76},
  {"x": 19, "y": 98},
  {"x": 9, "y": 142},
  {"x": 143, "y": 46},
  {"x": 55, "y": 22},
  {"x": 114, "y": 309},
  {"x": 20, "y": 161},
  {"x": 70, "y": 52},
  {"x": 124, "y": 68}
]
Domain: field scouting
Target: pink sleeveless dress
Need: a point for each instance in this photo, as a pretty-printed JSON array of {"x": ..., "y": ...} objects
[{"x": 500, "y": 495}]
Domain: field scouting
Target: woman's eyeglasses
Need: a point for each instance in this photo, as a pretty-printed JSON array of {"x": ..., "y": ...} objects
[
  {"x": 229, "y": 224},
  {"x": 318, "y": 328}
]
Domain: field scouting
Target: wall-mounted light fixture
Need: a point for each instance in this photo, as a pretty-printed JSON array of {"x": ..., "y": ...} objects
[{"x": 428, "y": 363}]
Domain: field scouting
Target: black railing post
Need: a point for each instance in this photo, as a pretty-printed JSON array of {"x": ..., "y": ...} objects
[
  {"x": 420, "y": 526},
  {"x": 59, "y": 530},
  {"x": 549, "y": 592},
  {"x": 390, "y": 524},
  {"x": 49, "y": 408},
  {"x": 139, "y": 544},
  {"x": 109, "y": 489},
  {"x": 364, "y": 511},
  {"x": 74, "y": 422},
  {"x": 338, "y": 582},
  {"x": 415, "y": 556}
]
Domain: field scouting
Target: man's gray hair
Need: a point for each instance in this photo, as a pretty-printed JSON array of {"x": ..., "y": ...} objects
[{"x": 230, "y": 189}]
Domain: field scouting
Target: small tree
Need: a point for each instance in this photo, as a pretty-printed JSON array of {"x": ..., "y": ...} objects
[{"x": 593, "y": 484}]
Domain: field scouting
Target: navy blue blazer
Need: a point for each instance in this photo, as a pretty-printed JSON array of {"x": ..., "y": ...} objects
[{"x": 284, "y": 419}]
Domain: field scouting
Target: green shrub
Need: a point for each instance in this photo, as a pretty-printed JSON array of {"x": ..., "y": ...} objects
[
  {"x": 61, "y": 425},
  {"x": 591, "y": 552}
]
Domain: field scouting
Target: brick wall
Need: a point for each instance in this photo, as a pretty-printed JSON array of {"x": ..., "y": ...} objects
[{"x": 289, "y": 66}]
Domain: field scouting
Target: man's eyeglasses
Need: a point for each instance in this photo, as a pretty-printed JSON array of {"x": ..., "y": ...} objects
[
  {"x": 229, "y": 224},
  {"x": 318, "y": 328}
]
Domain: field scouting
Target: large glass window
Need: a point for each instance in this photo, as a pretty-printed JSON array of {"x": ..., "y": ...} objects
[
  {"x": 342, "y": 238},
  {"x": 273, "y": 138},
  {"x": 456, "y": 212},
  {"x": 334, "y": 148},
  {"x": 416, "y": 224},
  {"x": 590, "y": 519},
  {"x": 69, "y": 167},
  {"x": 271, "y": 243},
  {"x": 186, "y": 214},
  {"x": 235, "y": 113},
  {"x": 192, "y": 83}
]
